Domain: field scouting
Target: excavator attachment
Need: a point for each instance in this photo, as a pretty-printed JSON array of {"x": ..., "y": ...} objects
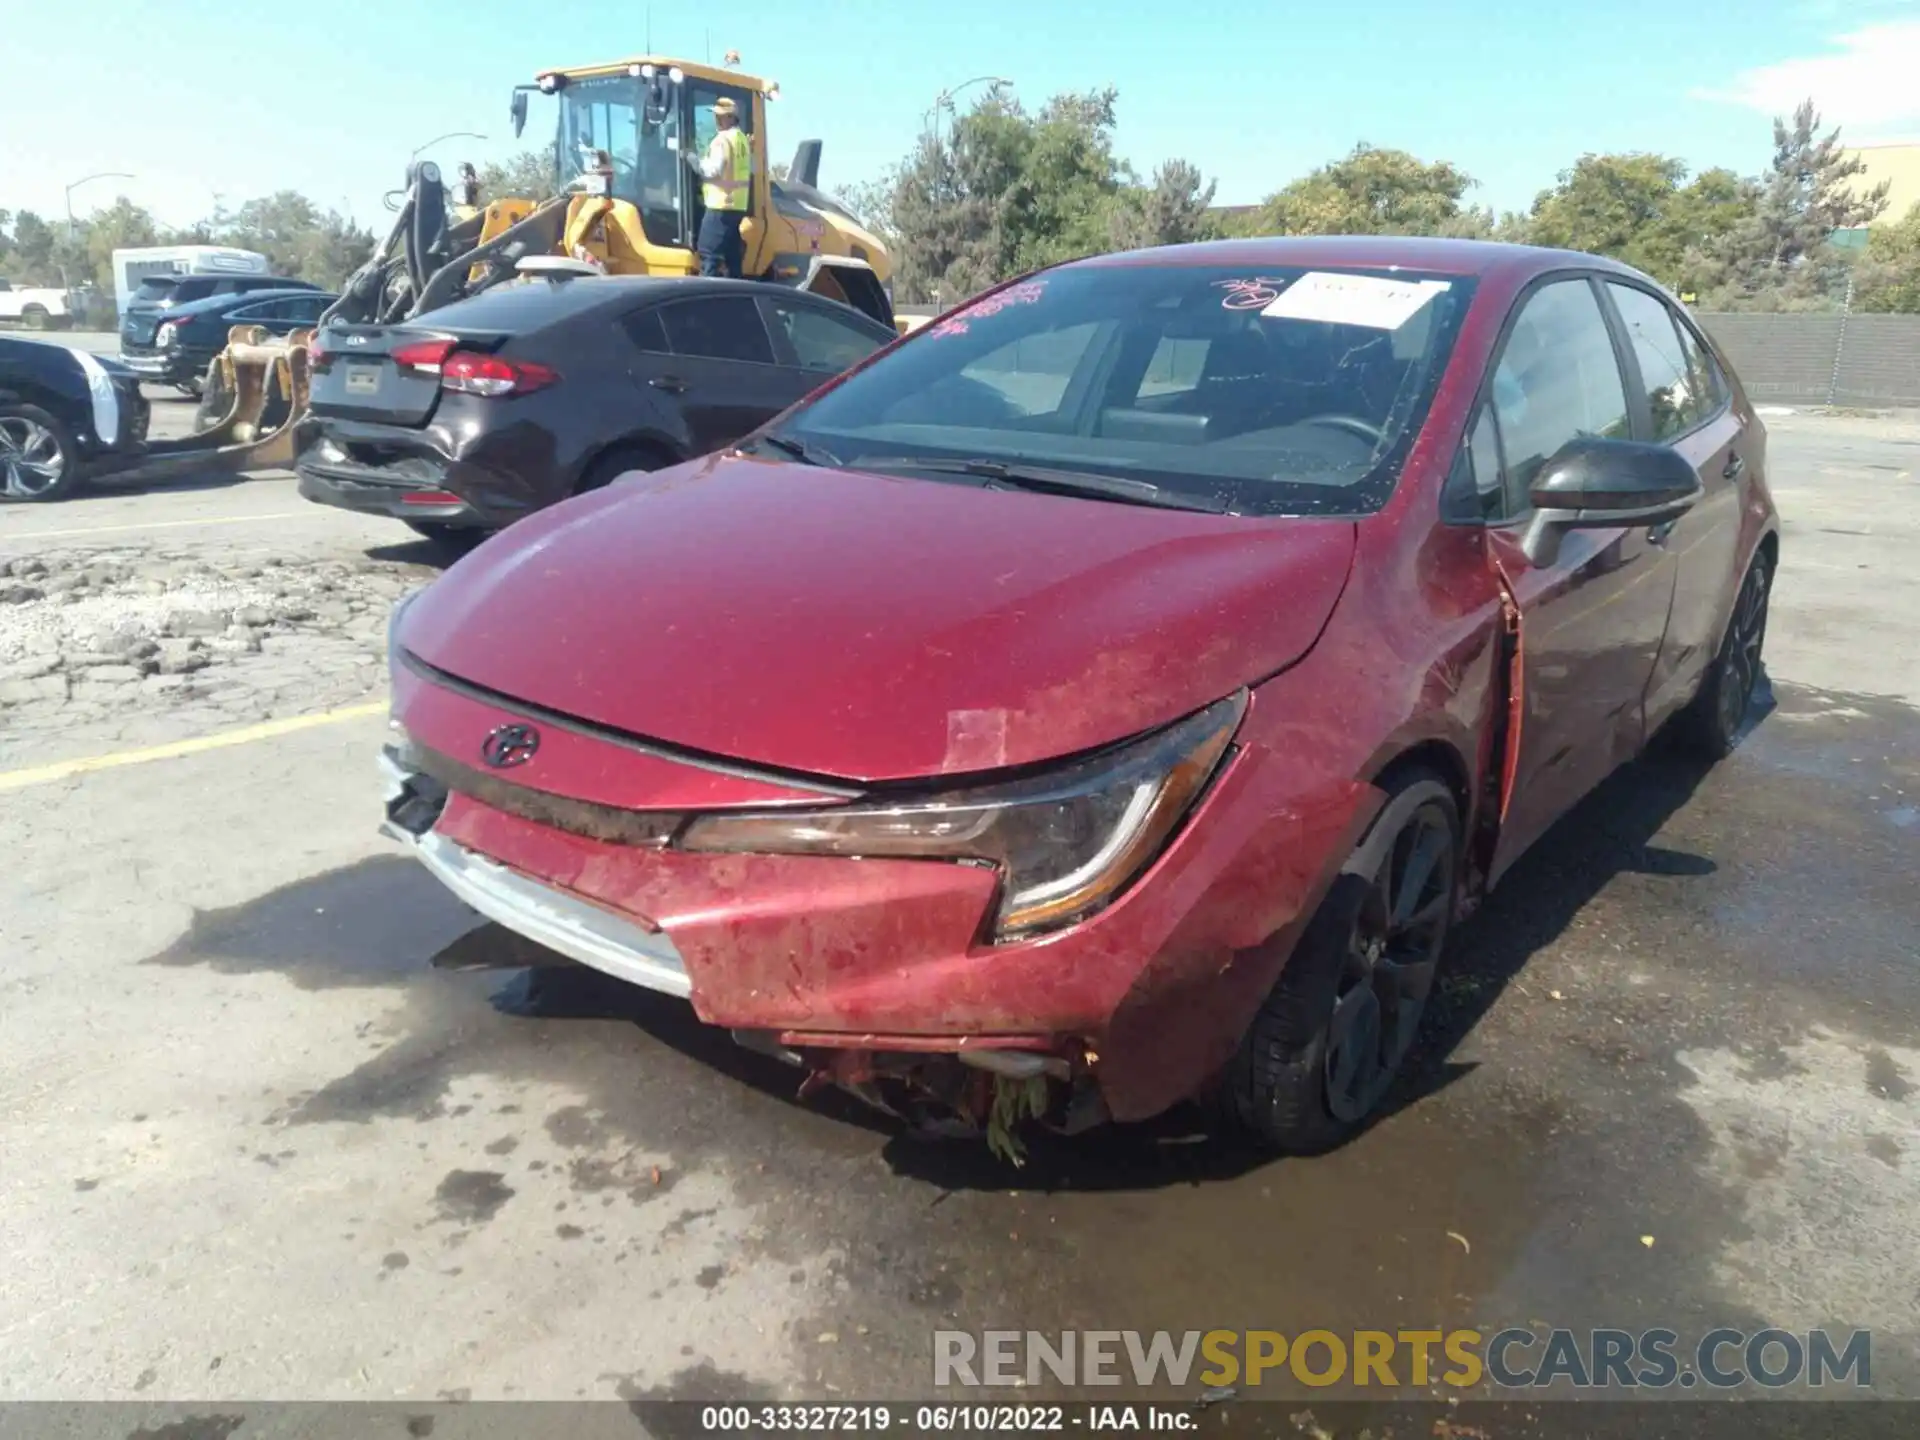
[{"x": 255, "y": 391}]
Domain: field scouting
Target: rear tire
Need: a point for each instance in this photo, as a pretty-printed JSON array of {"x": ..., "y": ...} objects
[
  {"x": 39, "y": 461},
  {"x": 35, "y": 317},
  {"x": 1710, "y": 725},
  {"x": 618, "y": 461},
  {"x": 1329, "y": 1039}
]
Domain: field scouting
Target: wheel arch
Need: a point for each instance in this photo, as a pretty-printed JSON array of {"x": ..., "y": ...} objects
[
  {"x": 645, "y": 441},
  {"x": 1439, "y": 756}
]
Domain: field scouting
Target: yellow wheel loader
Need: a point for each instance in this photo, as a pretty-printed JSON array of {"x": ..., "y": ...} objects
[{"x": 627, "y": 202}]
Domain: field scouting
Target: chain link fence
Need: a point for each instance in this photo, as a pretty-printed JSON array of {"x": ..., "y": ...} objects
[{"x": 1872, "y": 361}]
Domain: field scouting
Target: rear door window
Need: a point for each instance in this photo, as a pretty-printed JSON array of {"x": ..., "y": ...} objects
[
  {"x": 818, "y": 340},
  {"x": 1707, "y": 389},
  {"x": 647, "y": 333},
  {"x": 306, "y": 309},
  {"x": 1557, "y": 379},
  {"x": 1671, "y": 401},
  {"x": 720, "y": 327}
]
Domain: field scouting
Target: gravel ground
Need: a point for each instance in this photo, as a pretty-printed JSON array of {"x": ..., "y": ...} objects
[{"x": 94, "y": 638}]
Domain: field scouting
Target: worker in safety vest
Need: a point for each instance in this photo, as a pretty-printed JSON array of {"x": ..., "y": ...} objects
[{"x": 727, "y": 170}]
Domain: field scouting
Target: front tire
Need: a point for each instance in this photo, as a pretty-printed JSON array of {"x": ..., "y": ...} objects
[
  {"x": 1710, "y": 725},
  {"x": 1329, "y": 1039},
  {"x": 38, "y": 459},
  {"x": 35, "y": 317}
]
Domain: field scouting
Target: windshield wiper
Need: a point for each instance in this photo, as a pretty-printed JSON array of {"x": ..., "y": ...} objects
[
  {"x": 797, "y": 449},
  {"x": 1124, "y": 489}
]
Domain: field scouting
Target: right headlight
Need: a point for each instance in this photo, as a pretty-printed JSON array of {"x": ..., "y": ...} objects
[{"x": 1066, "y": 842}]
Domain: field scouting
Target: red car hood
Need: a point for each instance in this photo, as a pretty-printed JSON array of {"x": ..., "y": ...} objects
[{"x": 870, "y": 627}]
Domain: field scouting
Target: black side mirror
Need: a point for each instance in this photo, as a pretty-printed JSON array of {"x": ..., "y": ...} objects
[
  {"x": 1594, "y": 484},
  {"x": 518, "y": 108}
]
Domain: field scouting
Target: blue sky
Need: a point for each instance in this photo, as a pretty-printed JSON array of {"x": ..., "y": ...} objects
[{"x": 328, "y": 98}]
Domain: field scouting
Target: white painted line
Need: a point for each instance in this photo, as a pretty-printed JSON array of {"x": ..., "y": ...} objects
[
  {"x": 266, "y": 730},
  {"x": 149, "y": 525}
]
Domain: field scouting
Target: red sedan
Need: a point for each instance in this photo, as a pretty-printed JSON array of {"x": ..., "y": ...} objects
[{"x": 1111, "y": 693}]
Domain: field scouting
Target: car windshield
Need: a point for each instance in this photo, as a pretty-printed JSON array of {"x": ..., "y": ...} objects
[
  {"x": 607, "y": 121},
  {"x": 155, "y": 288},
  {"x": 1277, "y": 390}
]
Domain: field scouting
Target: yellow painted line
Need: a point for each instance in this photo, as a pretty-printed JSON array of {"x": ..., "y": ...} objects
[
  {"x": 246, "y": 735},
  {"x": 150, "y": 525}
]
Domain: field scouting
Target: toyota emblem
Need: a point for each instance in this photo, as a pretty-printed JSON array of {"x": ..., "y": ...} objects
[{"x": 510, "y": 745}]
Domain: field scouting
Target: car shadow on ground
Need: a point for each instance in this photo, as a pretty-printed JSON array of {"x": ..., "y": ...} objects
[
  {"x": 132, "y": 484},
  {"x": 1610, "y": 833},
  {"x": 419, "y": 550}
]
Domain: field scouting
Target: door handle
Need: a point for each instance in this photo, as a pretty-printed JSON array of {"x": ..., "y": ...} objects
[
  {"x": 672, "y": 384},
  {"x": 1733, "y": 468}
]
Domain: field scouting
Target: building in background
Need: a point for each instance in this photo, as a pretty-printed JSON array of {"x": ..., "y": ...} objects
[{"x": 1899, "y": 165}]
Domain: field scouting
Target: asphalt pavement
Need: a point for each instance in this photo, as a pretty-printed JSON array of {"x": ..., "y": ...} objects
[{"x": 268, "y": 1135}]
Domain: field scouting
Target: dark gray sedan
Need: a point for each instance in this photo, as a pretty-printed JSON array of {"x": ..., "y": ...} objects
[{"x": 472, "y": 416}]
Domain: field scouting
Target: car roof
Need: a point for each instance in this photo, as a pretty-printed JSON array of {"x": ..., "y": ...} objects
[
  {"x": 211, "y": 303},
  {"x": 515, "y": 307},
  {"x": 1407, "y": 252}
]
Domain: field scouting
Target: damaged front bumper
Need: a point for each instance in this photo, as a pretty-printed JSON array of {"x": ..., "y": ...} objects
[
  {"x": 885, "y": 1071},
  {"x": 543, "y": 913},
  {"x": 879, "y": 975}
]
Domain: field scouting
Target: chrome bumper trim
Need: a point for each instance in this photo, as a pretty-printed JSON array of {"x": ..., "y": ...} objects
[{"x": 549, "y": 916}]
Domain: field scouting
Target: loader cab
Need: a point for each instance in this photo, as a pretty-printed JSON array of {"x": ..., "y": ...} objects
[{"x": 635, "y": 125}]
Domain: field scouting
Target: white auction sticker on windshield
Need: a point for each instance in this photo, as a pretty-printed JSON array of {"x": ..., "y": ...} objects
[{"x": 1367, "y": 300}]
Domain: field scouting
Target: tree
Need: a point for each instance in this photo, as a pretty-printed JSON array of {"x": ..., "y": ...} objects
[
  {"x": 1888, "y": 275},
  {"x": 1370, "y": 192},
  {"x": 1070, "y": 178},
  {"x": 1173, "y": 210},
  {"x": 32, "y": 260},
  {"x": 871, "y": 201},
  {"x": 1006, "y": 191},
  {"x": 1778, "y": 255},
  {"x": 1639, "y": 208},
  {"x": 527, "y": 176},
  {"x": 121, "y": 226},
  {"x": 297, "y": 237}
]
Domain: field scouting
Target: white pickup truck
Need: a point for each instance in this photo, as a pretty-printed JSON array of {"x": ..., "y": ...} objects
[{"x": 36, "y": 307}]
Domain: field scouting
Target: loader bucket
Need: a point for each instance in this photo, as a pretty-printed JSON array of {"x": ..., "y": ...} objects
[{"x": 256, "y": 392}]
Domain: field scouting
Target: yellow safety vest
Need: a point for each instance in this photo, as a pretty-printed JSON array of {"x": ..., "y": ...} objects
[{"x": 732, "y": 190}]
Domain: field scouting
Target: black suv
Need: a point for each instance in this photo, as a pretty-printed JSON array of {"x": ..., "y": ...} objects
[{"x": 158, "y": 294}]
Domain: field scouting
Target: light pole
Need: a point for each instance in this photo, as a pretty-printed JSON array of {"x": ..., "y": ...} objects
[
  {"x": 83, "y": 180},
  {"x": 66, "y": 280},
  {"x": 944, "y": 100},
  {"x": 450, "y": 135}
]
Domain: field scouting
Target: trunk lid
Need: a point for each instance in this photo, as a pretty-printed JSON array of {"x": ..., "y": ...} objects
[
  {"x": 359, "y": 378},
  {"x": 137, "y": 327},
  {"x": 873, "y": 627}
]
